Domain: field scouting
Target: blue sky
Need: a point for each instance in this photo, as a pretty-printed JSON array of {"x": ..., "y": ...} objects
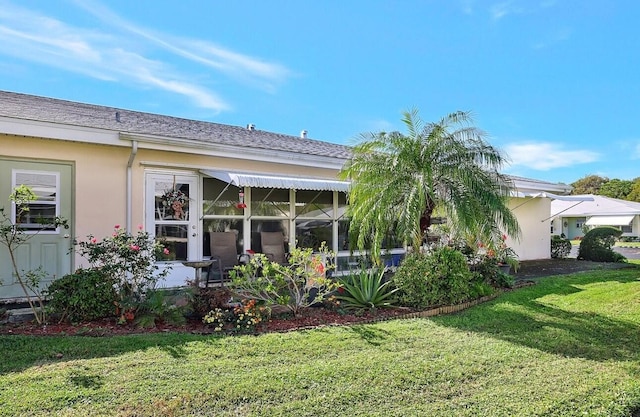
[{"x": 555, "y": 84}]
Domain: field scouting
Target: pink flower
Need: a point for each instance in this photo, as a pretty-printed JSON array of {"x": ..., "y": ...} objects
[
  {"x": 117, "y": 226},
  {"x": 135, "y": 247},
  {"x": 165, "y": 251},
  {"x": 94, "y": 240},
  {"x": 504, "y": 237},
  {"x": 140, "y": 227}
]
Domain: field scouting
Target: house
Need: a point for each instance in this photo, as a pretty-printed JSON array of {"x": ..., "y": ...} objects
[
  {"x": 571, "y": 218},
  {"x": 101, "y": 166}
]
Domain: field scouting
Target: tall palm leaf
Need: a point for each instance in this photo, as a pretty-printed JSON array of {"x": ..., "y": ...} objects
[{"x": 398, "y": 181}]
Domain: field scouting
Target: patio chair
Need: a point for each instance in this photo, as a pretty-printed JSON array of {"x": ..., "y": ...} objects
[
  {"x": 224, "y": 253},
  {"x": 273, "y": 246}
]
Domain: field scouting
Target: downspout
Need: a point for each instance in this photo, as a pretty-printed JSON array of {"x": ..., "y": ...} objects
[{"x": 132, "y": 156}]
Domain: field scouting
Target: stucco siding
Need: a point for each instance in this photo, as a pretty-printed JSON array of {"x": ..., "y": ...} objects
[{"x": 532, "y": 214}]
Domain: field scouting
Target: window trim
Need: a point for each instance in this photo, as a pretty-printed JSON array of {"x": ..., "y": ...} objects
[{"x": 56, "y": 203}]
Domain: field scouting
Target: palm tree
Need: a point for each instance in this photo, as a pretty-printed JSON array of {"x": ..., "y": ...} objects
[{"x": 400, "y": 181}]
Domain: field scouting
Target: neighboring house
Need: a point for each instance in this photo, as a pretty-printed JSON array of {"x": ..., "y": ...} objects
[
  {"x": 571, "y": 218},
  {"x": 100, "y": 166}
]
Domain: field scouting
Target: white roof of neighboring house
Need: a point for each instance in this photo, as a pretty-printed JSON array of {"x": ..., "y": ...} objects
[{"x": 599, "y": 206}]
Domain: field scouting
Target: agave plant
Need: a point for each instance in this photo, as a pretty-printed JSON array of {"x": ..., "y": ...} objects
[{"x": 367, "y": 289}]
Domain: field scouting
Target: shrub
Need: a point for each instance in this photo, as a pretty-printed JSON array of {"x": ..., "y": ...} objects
[
  {"x": 205, "y": 300},
  {"x": 436, "y": 278},
  {"x": 301, "y": 283},
  {"x": 596, "y": 245},
  {"x": 158, "y": 307},
  {"x": 366, "y": 289},
  {"x": 488, "y": 270},
  {"x": 85, "y": 295},
  {"x": 129, "y": 260},
  {"x": 560, "y": 247},
  {"x": 243, "y": 318}
]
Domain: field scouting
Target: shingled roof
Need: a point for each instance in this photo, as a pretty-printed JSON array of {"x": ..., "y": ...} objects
[{"x": 43, "y": 109}]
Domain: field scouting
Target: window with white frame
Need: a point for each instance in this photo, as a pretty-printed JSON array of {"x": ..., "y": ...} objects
[{"x": 38, "y": 215}]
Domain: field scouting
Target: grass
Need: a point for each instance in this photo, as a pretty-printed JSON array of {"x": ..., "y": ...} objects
[
  {"x": 568, "y": 346},
  {"x": 628, "y": 244}
]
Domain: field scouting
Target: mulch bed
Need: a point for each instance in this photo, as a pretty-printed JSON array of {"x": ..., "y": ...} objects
[{"x": 309, "y": 318}]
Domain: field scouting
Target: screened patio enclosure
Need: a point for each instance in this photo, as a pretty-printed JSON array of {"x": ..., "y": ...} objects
[{"x": 305, "y": 211}]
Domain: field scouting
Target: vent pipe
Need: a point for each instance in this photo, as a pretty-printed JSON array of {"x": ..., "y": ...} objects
[
  {"x": 117, "y": 116},
  {"x": 303, "y": 134},
  {"x": 251, "y": 126}
]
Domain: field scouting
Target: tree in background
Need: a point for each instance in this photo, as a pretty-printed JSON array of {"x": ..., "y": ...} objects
[
  {"x": 616, "y": 188},
  {"x": 590, "y": 184},
  {"x": 634, "y": 194},
  {"x": 399, "y": 181}
]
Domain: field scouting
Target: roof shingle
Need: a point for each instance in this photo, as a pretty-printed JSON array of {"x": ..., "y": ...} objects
[{"x": 43, "y": 109}]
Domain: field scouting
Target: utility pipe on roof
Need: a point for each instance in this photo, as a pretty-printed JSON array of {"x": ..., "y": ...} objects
[{"x": 132, "y": 156}]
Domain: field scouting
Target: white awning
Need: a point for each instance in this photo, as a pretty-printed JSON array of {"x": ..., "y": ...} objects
[
  {"x": 268, "y": 181},
  {"x": 609, "y": 220}
]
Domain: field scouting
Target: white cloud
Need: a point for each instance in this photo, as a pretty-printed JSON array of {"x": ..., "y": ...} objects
[
  {"x": 253, "y": 70},
  {"x": 636, "y": 154},
  {"x": 558, "y": 36},
  {"x": 545, "y": 156},
  {"x": 500, "y": 10},
  {"x": 117, "y": 56},
  {"x": 467, "y": 6}
]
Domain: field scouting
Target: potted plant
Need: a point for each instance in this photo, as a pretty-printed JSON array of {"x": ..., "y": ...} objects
[{"x": 505, "y": 256}]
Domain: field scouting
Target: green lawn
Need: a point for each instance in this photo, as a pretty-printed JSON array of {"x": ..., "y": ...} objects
[
  {"x": 569, "y": 346},
  {"x": 628, "y": 244}
]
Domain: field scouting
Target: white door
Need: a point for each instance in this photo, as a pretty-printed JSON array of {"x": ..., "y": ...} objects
[{"x": 172, "y": 213}]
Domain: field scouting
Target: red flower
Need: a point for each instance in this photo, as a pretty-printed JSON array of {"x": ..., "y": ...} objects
[
  {"x": 117, "y": 226},
  {"x": 135, "y": 247},
  {"x": 241, "y": 206}
]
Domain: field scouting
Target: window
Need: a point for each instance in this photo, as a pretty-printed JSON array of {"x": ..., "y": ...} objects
[
  {"x": 626, "y": 229},
  {"x": 172, "y": 203},
  {"x": 270, "y": 202},
  {"x": 221, "y": 212},
  {"x": 41, "y": 212}
]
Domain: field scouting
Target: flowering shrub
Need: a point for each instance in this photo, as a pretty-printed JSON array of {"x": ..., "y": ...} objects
[
  {"x": 129, "y": 260},
  {"x": 243, "y": 318},
  {"x": 301, "y": 283},
  {"x": 503, "y": 254}
]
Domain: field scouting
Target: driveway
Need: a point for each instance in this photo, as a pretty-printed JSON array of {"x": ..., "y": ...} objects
[{"x": 629, "y": 253}]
